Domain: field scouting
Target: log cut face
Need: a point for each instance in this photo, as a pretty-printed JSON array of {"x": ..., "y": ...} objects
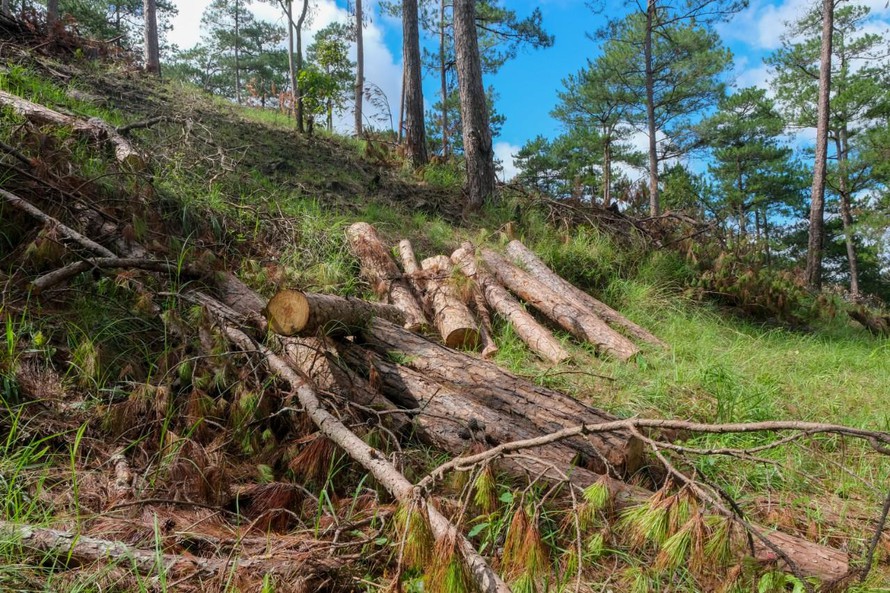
[
  {"x": 453, "y": 319},
  {"x": 517, "y": 399},
  {"x": 535, "y": 336},
  {"x": 295, "y": 313},
  {"x": 537, "y": 268},
  {"x": 560, "y": 308},
  {"x": 381, "y": 271}
]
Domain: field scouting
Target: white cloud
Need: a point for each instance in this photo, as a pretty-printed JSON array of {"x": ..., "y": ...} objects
[
  {"x": 504, "y": 151},
  {"x": 381, "y": 66}
]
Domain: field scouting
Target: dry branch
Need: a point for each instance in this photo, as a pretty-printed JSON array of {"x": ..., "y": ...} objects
[
  {"x": 544, "y": 274},
  {"x": 560, "y": 308},
  {"x": 453, "y": 319},
  {"x": 381, "y": 271},
  {"x": 536, "y": 336},
  {"x": 69, "y": 271},
  {"x": 94, "y": 128},
  {"x": 296, "y": 313}
]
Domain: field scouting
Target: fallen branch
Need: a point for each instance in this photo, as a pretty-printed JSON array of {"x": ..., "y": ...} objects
[{"x": 67, "y": 272}]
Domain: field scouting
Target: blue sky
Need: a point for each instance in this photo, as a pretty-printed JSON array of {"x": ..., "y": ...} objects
[{"x": 528, "y": 84}]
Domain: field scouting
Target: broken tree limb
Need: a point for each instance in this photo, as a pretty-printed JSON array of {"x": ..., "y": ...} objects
[
  {"x": 296, "y": 313},
  {"x": 93, "y": 128},
  {"x": 560, "y": 308},
  {"x": 25, "y": 206},
  {"x": 67, "y": 272},
  {"x": 453, "y": 319},
  {"x": 618, "y": 454},
  {"x": 315, "y": 562},
  {"x": 537, "y": 268},
  {"x": 536, "y": 337},
  {"x": 381, "y": 271},
  {"x": 369, "y": 458}
]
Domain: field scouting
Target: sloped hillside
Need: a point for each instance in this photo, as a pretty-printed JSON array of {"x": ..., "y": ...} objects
[{"x": 143, "y": 411}]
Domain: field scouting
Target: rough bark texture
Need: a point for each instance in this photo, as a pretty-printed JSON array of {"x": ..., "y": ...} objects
[
  {"x": 654, "y": 205},
  {"x": 313, "y": 563},
  {"x": 537, "y": 268},
  {"x": 52, "y": 12},
  {"x": 94, "y": 128},
  {"x": 152, "y": 53},
  {"x": 415, "y": 134},
  {"x": 381, "y": 271},
  {"x": 817, "y": 203},
  {"x": 298, "y": 91},
  {"x": 443, "y": 79},
  {"x": 478, "y": 151},
  {"x": 359, "y": 66},
  {"x": 560, "y": 308},
  {"x": 843, "y": 148},
  {"x": 536, "y": 337},
  {"x": 453, "y": 319},
  {"x": 294, "y": 313},
  {"x": 516, "y": 398}
]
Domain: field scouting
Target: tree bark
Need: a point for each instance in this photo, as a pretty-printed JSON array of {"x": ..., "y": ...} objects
[
  {"x": 415, "y": 134},
  {"x": 381, "y": 271},
  {"x": 359, "y": 66},
  {"x": 560, "y": 308},
  {"x": 515, "y": 397},
  {"x": 443, "y": 75},
  {"x": 817, "y": 204},
  {"x": 537, "y": 268},
  {"x": 452, "y": 317},
  {"x": 315, "y": 562},
  {"x": 478, "y": 151},
  {"x": 238, "y": 51},
  {"x": 52, "y": 12},
  {"x": 535, "y": 336},
  {"x": 846, "y": 214},
  {"x": 654, "y": 204},
  {"x": 152, "y": 51},
  {"x": 94, "y": 128},
  {"x": 607, "y": 172},
  {"x": 4, "y": 7},
  {"x": 291, "y": 60},
  {"x": 295, "y": 313}
]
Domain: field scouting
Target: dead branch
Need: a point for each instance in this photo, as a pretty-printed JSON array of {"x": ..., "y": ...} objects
[{"x": 69, "y": 271}]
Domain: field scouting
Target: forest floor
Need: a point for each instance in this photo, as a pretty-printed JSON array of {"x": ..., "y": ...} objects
[{"x": 110, "y": 366}]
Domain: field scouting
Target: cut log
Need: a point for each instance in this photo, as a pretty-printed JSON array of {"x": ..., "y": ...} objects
[
  {"x": 94, "y": 128},
  {"x": 536, "y": 336},
  {"x": 560, "y": 308},
  {"x": 537, "y": 268},
  {"x": 480, "y": 308},
  {"x": 453, "y": 319},
  {"x": 381, "y": 271},
  {"x": 517, "y": 398},
  {"x": 295, "y": 313},
  {"x": 314, "y": 561}
]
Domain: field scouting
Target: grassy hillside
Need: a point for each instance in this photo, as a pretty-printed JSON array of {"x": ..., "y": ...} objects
[{"x": 109, "y": 364}]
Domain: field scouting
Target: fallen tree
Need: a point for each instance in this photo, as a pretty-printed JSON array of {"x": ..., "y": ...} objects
[
  {"x": 538, "y": 338},
  {"x": 93, "y": 128},
  {"x": 560, "y": 308},
  {"x": 533, "y": 264},
  {"x": 381, "y": 271}
]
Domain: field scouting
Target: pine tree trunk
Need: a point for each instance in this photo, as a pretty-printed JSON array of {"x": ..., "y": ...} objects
[
  {"x": 654, "y": 206},
  {"x": 415, "y": 135},
  {"x": 478, "y": 151},
  {"x": 152, "y": 52},
  {"x": 301, "y": 127},
  {"x": 817, "y": 205},
  {"x": 607, "y": 171},
  {"x": 846, "y": 215},
  {"x": 444, "y": 79},
  {"x": 291, "y": 60},
  {"x": 52, "y": 12},
  {"x": 359, "y": 67},
  {"x": 238, "y": 52}
]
